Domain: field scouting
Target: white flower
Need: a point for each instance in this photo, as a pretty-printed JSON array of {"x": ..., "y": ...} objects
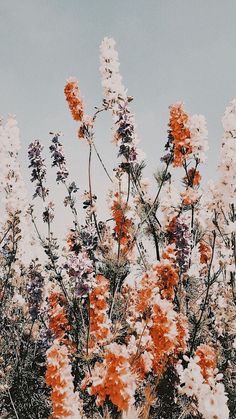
[
  {"x": 229, "y": 118},
  {"x": 199, "y": 134},
  {"x": 12, "y": 186},
  {"x": 109, "y": 68}
]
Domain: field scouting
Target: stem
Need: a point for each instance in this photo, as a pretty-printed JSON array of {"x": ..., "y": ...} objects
[
  {"x": 13, "y": 405},
  {"x": 209, "y": 283},
  {"x": 147, "y": 218},
  {"x": 103, "y": 165},
  {"x": 90, "y": 190}
]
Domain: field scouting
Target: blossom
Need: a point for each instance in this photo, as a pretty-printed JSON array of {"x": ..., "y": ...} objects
[
  {"x": 207, "y": 360},
  {"x": 116, "y": 99},
  {"x": 180, "y": 133},
  {"x": 58, "y": 159},
  {"x": 12, "y": 186},
  {"x": 179, "y": 235},
  {"x": 113, "y": 378},
  {"x": 38, "y": 173},
  {"x": 58, "y": 323},
  {"x": 211, "y": 398},
  {"x": 123, "y": 224},
  {"x": 80, "y": 270},
  {"x": 193, "y": 177},
  {"x": 65, "y": 402},
  {"x": 35, "y": 290},
  {"x": 167, "y": 279},
  {"x": 74, "y": 100},
  {"x": 227, "y": 181},
  {"x": 113, "y": 88},
  {"x": 190, "y": 196},
  {"x": 205, "y": 252},
  {"x": 229, "y": 118},
  {"x": 198, "y": 136},
  {"x": 99, "y": 321}
]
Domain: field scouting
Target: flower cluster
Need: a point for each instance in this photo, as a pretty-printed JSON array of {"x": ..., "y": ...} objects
[
  {"x": 74, "y": 100},
  {"x": 123, "y": 224},
  {"x": 65, "y": 402},
  {"x": 113, "y": 88},
  {"x": 201, "y": 381},
  {"x": 116, "y": 99},
  {"x": 37, "y": 164},
  {"x": 35, "y": 289},
  {"x": 99, "y": 320},
  {"x": 180, "y": 134},
  {"x": 132, "y": 314},
  {"x": 113, "y": 378},
  {"x": 58, "y": 159},
  {"x": 228, "y": 151},
  {"x": 179, "y": 235}
]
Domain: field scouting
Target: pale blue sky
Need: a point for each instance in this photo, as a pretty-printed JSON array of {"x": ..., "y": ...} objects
[{"x": 170, "y": 50}]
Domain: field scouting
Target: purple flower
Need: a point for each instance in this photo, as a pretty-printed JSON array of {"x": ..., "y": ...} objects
[
  {"x": 35, "y": 290},
  {"x": 38, "y": 173},
  {"x": 58, "y": 159}
]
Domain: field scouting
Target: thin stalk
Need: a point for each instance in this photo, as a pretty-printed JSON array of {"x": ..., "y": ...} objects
[
  {"x": 13, "y": 405},
  {"x": 209, "y": 283}
]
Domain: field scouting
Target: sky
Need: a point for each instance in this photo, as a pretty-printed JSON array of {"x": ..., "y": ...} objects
[{"x": 170, "y": 50}]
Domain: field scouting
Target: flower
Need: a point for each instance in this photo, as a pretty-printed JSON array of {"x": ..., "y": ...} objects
[
  {"x": 193, "y": 177},
  {"x": 207, "y": 360},
  {"x": 113, "y": 88},
  {"x": 179, "y": 235},
  {"x": 211, "y": 398},
  {"x": 123, "y": 224},
  {"x": 58, "y": 159},
  {"x": 58, "y": 323},
  {"x": 99, "y": 321},
  {"x": 113, "y": 378},
  {"x": 180, "y": 133},
  {"x": 227, "y": 181},
  {"x": 65, "y": 402},
  {"x": 116, "y": 99},
  {"x": 74, "y": 100},
  {"x": 37, "y": 164},
  {"x": 12, "y": 186},
  {"x": 198, "y": 136}
]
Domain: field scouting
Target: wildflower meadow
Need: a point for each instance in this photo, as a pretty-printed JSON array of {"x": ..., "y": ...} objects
[{"x": 131, "y": 315}]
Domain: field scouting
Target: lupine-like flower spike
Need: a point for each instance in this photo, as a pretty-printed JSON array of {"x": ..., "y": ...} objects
[
  {"x": 116, "y": 99},
  {"x": 58, "y": 159},
  {"x": 65, "y": 402},
  {"x": 12, "y": 186},
  {"x": 113, "y": 88},
  {"x": 201, "y": 380},
  {"x": 37, "y": 164},
  {"x": 180, "y": 134},
  {"x": 74, "y": 99},
  {"x": 227, "y": 183}
]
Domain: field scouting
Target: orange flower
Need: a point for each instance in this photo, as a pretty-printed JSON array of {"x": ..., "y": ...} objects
[
  {"x": 205, "y": 252},
  {"x": 169, "y": 254},
  {"x": 186, "y": 200},
  {"x": 75, "y": 102},
  {"x": 65, "y": 402},
  {"x": 207, "y": 360},
  {"x": 167, "y": 279},
  {"x": 123, "y": 225},
  {"x": 182, "y": 337},
  {"x": 113, "y": 378},
  {"x": 190, "y": 196},
  {"x": 58, "y": 322},
  {"x": 193, "y": 178},
  {"x": 180, "y": 134},
  {"x": 99, "y": 320}
]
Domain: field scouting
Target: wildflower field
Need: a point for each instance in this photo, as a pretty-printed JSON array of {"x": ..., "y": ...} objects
[{"x": 132, "y": 315}]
